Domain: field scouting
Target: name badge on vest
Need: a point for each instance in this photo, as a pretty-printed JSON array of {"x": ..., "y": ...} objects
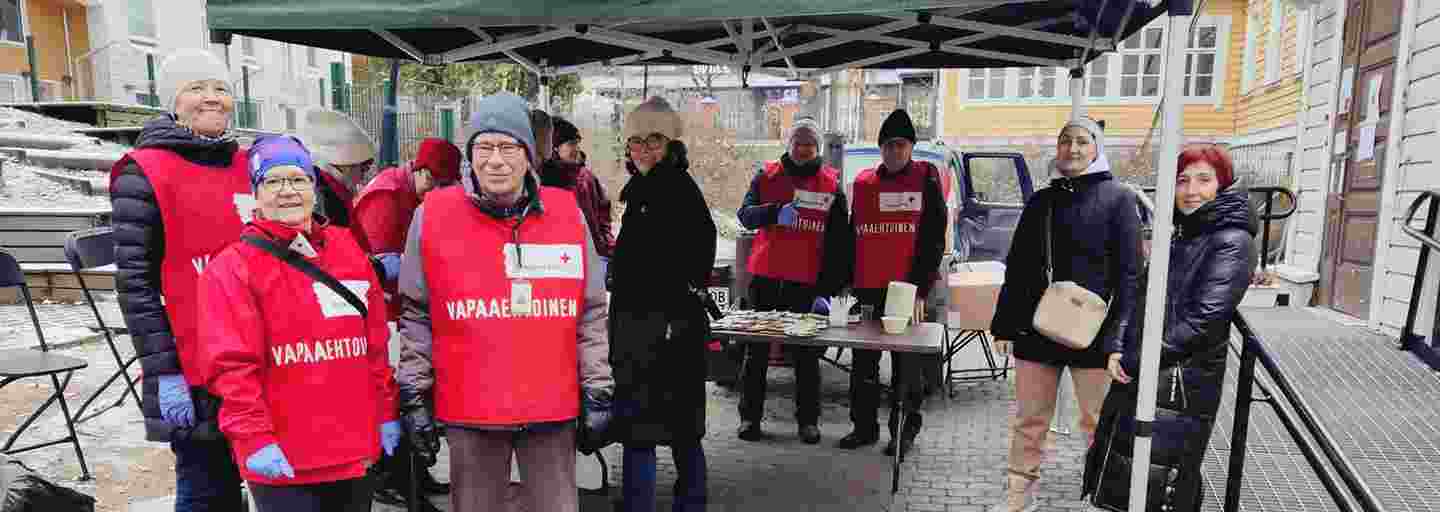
[
  {"x": 813, "y": 200},
  {"x": 542, "y": 261},
  {"x": 332, "y": 305},
  {"x": 520, "y": 296},
  {"x": 899, "y": 202},
  {"x": 302, "y": 245}
]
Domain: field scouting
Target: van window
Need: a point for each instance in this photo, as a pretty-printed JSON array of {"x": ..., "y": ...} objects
[{"x": 995, "y": 180}]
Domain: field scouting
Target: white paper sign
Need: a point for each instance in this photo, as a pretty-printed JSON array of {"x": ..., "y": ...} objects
[
  {"x": 1366, "y": 151},
  {"x": 899, "y": 202},
  {"x": 813, "y": 200},
  {"x": 1341, "y": 143},
  {"x": 1347, "y": 89},
  {"x": 538, "y": 261},
  {"x": 1372, "y": 97},
  {"x": 333, "y": 305}
]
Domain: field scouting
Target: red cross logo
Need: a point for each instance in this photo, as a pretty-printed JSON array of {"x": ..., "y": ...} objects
[{"x": 564, "y": 257}]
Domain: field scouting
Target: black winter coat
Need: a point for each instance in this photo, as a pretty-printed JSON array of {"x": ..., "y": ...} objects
[
  {"x": 1211, "y": 258},
  {"x": 139, "y": 250},
  {"x": 1096, "y": 236},
  {"x": 658, "y": 328}
]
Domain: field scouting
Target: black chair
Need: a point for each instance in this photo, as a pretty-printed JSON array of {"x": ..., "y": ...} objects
[
  {"x": 88, "y": 249},
  {"x": 22, "y": 363}
]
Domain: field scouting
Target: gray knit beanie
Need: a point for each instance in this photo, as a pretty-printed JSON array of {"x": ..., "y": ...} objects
[{"x": 503, "y": 113}]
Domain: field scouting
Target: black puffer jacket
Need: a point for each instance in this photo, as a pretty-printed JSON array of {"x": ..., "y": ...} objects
[
  {"x": 1211, "y": 258},
  {"x": 139, "y": 250},
  {"x": 658, "y": 329},
  {"x": 1096, "y": 235}
]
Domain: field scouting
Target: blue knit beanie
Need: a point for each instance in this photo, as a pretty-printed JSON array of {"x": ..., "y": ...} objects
[
  {"x": 271, "y": 151},
  {"x": 503, "y": 113}
]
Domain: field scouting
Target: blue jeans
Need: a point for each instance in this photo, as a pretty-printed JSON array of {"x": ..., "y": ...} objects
[
  {"x": 638, "y": 473},
  {"x": 206, "y": 477}
]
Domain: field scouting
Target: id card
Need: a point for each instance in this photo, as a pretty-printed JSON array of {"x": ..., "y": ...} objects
[{"x": 520, "y": 297}]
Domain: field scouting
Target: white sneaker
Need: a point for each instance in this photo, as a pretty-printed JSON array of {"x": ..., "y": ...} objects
[{"x": 1019, "y": 496}]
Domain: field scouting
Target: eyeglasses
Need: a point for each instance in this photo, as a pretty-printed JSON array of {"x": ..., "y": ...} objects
[
  {"x": 300, "y": 183},
  {"x": 506, "y": 149},
  {"x": 653, "y": 142}
]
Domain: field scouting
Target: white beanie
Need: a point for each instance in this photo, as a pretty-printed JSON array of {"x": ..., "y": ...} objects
[
  {"x": 334, "y": 138},
  {"x": 655, "y": 115},
  {"x": 184, "y": 67}
]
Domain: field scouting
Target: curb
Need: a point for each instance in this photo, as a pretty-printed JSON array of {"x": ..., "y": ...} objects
[{"x": 87, "y": 186}]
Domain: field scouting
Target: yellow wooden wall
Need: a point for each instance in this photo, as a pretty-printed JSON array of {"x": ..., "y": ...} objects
[
  {"x": 47, "y": 23},
  {"x": 1263, "y": 108},
  {"x": 1268, "y": 105}
]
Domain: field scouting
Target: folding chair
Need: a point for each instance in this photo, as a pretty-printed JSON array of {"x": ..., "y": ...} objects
[
  {"x": 22, "y": 363},
  {"x": 85, "y": 250}
]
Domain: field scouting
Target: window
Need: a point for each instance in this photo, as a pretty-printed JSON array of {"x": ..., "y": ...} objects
[
  {"x": 1099, "y": 72},
  {"x": 10, "y": 89},
  {"x": 142, "y": 19},
  {"x": 994, "y": 180},
  {"x": 1140, "y": 64},
  {"x": 289, "y": 118},
  {"x": 311, "y": 57},
  {"x": 1252, "y": 36},
  {"x": 1272, "y": 40},
  {"x": 987, "y": 83},
  {"x": 247, "y": 46},
  {"x": 1037, "y": 82},
  {"x": 12, "y": 21},
  {"x": 1200, "y": 62}
]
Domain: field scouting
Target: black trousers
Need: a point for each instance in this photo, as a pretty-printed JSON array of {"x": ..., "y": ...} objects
[
  {"x": 777, "y": 295},
  {"x": 908, "y": 372},
  {"x": 343, "y": 496}
]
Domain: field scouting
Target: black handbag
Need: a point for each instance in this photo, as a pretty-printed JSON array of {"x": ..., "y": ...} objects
[{"x": 1172, "y": 401}]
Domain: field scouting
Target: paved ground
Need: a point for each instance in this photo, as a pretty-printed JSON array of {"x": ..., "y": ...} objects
[
  {"x": 62, "y": 323},
  {"x": 956, "y": 466}
]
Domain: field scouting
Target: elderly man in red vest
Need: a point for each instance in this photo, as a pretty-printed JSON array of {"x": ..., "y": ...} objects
[
  {"x": 181, "y": 196},
  {"x": 801, "y": 254},
  {"x": 899, "y": 215},
  {"x": 504, "y": 319}
]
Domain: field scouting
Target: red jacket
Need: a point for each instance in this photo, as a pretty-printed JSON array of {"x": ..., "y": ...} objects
[
  {"x": 382, "y": 218},
  {"x": 794, "y": 253},
  {"x": 292, "y": 361},
  {"x": 495, "y": 366},
  {"x": 589, "y": 194}
]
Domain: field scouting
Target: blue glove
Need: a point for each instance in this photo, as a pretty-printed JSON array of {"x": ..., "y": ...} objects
[
  {"x": 270, "y": 462},
  {"x": 788, "y": 215},
  {"x": 391, "y": 262},
  {"x": 176, "y": 406},
  {"x": 821, "y": 306},
  {"x": 390, "y": 432}
]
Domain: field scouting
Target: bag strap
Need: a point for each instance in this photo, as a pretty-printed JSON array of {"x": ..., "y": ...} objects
[
  {"x": 288, "y": 256},
  {"x": 1049, "y": 245}
]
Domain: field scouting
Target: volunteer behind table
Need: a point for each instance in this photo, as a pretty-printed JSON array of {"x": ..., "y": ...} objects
[
  {"x": 283, "y": 344},
  {"x": 802, "y": 254},
  {"x": 182, "y": 195},
  {"x": 504, "y": 323},
  {"x": 899, "y": 217}
]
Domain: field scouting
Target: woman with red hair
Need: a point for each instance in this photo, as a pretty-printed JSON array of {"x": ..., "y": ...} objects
[{"x": 1211, "y": 260}]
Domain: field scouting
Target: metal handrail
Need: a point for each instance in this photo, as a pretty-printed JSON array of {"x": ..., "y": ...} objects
[
  {"x": 1253, "y": 349},
  {"x": 1409, "y": 340},
  {"x": 1270, "y": 215}
]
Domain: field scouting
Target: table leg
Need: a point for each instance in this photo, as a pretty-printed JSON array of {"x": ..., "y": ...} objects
[{"x": 902, "y": 386}]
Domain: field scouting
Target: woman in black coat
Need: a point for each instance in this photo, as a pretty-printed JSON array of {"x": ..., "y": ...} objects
[
  {"x": 662, "y": 259},
  {"x": 1094, "y": 222},
  {"x": 1211, "y": 259}
]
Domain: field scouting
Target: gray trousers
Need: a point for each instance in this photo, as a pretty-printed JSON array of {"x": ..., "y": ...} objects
[{"x": 480, "y": 469}]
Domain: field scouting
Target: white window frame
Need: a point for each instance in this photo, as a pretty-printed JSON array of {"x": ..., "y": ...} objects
[
  {"x": 151, "y": 40},
  {"x": 290, "y": 116},
  {"x": 1252, "y": 37},
  {"x": 22, "y": 91},
  {"x": 1274, "y": 29},
  {"x": 312, "y": 57},
  {"x": 1103, "y": 74},
  {"x": 1215, "y": 72},
  {"x": 1140, "y": 55},
  {"x": 24, "y": 25}
]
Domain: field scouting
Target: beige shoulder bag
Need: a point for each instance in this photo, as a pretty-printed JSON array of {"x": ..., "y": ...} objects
[{"x": 1068, "y": 313}]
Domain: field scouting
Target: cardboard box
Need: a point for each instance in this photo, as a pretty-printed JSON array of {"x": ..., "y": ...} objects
[{"x": 974, "y": 290}]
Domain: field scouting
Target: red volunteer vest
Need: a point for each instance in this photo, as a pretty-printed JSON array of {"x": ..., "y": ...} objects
[
  {"x": 316, "y": 350},
  {"x": 203, "y": 209},
  {"x": 793, "y": 253},
  {"x": 494, "y": 366},
  {"x": 887, "y": 222}
]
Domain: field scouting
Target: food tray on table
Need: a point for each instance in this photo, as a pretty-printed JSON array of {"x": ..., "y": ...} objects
[{"x": 776, "y": 323}]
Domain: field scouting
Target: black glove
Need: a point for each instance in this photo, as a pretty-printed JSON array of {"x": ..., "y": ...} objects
[
  {"x": 594, "y": 425},
  {"x": 424, "y": 437}
]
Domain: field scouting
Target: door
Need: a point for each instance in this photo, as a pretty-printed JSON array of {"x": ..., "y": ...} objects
[
  {"x": 996, "y": 186},
  {"x": 1372, "y": 29}
]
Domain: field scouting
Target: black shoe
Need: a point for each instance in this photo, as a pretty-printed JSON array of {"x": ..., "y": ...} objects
[
  {"x": 390, "y": 497},
  {"x": 429, "y": 486},
  {"x": 750, "y": 431},
  {"x": 810, "y": 434},
  {"x": 857, "y": 439}
]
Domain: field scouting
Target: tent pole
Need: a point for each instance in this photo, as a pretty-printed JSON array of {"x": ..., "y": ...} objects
[
  {"x": 1172, "y": 117},
  {"x": 1077, "y": 93},
  {"x": 389, "y": 129}
]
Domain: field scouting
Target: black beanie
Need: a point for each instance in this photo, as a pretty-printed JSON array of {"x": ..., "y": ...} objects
[
  {"x": 897, "y": 125},
  {"x": 565, "y": 131}
]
